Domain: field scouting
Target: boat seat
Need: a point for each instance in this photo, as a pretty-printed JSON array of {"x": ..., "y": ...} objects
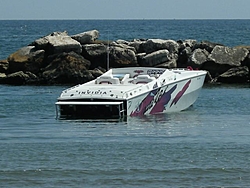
[
  {"x": 143, "y": 79},
  {"x": 107, "y": 79}
]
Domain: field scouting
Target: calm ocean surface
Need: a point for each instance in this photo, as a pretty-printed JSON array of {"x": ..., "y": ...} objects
[{"x": 204, "y": 146}]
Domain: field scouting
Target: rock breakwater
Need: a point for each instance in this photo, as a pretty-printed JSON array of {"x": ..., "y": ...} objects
[{"x": 62, "y": 59}]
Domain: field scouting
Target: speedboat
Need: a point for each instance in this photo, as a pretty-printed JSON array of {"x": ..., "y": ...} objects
[{"x": 132, "y": 91}]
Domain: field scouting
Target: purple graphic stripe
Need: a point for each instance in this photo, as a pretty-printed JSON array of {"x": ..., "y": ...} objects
[
  {"x": 180, "y": 93},
  {"x": 143, "y": 107}
]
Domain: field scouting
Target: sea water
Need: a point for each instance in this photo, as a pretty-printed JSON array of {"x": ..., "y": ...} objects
[
  {"x": 206, "y": 145},
  {"x": 15, "y": 34}
]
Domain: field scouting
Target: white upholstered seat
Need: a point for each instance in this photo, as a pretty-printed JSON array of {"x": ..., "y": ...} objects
[
  {"x": 143, "y": 79},
  {"x": 107, "y": 79}
]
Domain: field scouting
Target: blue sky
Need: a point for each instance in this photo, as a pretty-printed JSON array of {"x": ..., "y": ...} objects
[{"x": 124, "y": 9}]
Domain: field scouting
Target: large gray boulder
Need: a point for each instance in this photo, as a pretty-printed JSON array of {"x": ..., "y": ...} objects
[
  {"x": 153, "y": 45},
  {"x": 96, "y": 54},
  {"x": 123, "y": 44},
  {"x": 121, "y": 57},
  {"x": 246, "y": 61},
  {"x": 171, "y": 63},
  {"x": 235, "y": 75},
  {"x": 66, "y": 68},
  {"x": 137, "y": 44},
  {"x": 43, "y": 42},
  {"x": 26, "y": 59},
  {"x": 155, "y": 58},
  {"x": 19, "y": 78},
  {"x": 223, "y": 58},
  {"x": 87, "y": 37},
  {"x": 228, "y": 56},
  {"x": 92, "y": 50},
  {"x": 58, "y": 42},
  {"x": 197, "y": 58}
]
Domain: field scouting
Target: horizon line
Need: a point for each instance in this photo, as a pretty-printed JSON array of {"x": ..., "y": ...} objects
[{"x": 61, "y": 19}]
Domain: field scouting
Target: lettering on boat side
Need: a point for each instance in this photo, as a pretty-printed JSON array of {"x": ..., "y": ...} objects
[
  {"x": 97, "y": 92},
  {"x": 159, "y": 71}
]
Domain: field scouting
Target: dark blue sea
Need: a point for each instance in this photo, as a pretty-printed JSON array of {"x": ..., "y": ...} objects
[{"x": 207, "y": 145}]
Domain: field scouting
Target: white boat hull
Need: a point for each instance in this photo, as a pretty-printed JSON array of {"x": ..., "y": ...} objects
[
  {"x": 137, "y": 95},
  {"x": 169, "y": 98}
]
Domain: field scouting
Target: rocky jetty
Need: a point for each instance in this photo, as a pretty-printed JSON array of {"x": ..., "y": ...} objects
[{"x": 62, "y": 59}]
